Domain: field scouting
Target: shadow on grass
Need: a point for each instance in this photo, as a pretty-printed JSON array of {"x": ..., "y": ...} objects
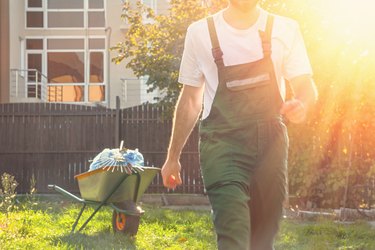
[{"x": 105, "y": 239}]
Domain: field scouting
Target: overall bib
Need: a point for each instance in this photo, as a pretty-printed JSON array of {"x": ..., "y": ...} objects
[{"x": 243, "y": 150}]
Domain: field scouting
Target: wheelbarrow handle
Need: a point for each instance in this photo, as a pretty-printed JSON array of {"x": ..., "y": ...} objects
[{"x": 65, "y": 193}]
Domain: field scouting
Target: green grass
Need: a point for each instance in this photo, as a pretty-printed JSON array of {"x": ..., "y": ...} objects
[
  {"x": 48, "y": 227},
  {"x": 324, "y": 234}
]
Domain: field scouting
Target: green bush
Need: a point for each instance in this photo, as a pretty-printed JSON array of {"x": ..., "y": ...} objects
[{"x": 8, "y": 202}]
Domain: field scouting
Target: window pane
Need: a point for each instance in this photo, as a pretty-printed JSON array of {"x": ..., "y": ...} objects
[
  {"x": 66, "y": 93},
  {"x": 34, "y": 62},
  {"x": 96, "y": 19},
  {"x": 65, "y": 19},
  {"x": 96, "y": 93},
  {"x": 65, "y": 4},
  {"x": 65, "y": 67},
  {"x": 96, "y": 4},
  {"x": 149, "y": 3},
  {"x": 34, "y": 19},
  {"x": 96, "y": 67},
  {"x": 34, "y": 43},
  {"x": 34, "y": 3},
  {"x": 66, "y": 44},
  {"x": 97, "y": 43}
]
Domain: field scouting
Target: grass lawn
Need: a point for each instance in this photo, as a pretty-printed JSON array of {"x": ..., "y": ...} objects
[{"x": 47, "y": 226}]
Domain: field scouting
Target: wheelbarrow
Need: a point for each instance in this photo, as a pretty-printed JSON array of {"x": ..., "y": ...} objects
[{"x": 119, "y": 190}]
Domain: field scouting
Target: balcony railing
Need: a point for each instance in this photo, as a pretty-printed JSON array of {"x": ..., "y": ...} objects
[{"x": 28, "y": 83}]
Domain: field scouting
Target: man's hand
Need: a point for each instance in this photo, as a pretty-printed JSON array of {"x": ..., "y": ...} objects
[
  {"x": 294, "y": 110},
  {"x": 305, "y": 93},
  {"x": 171, "y": 174}
]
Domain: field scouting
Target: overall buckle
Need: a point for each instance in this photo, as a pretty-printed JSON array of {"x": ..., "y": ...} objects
[{"x": 217, "y": 53}]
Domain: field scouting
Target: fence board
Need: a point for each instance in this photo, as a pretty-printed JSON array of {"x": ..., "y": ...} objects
[{"x": 54, "y": 142}]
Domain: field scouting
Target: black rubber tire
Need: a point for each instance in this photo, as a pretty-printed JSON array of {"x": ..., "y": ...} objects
[
  {"x": 131, "y": 223},
  {"x": 123, "y": 223}
]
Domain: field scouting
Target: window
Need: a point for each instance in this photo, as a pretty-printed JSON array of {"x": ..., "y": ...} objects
[
  {"x": 74, "y": 68},
  {"x": 151, "y": 3},
  {"x": 65, "y": 4},
  {"x": 34, "y": 3},
  {"x": 34, "y": 19},
  {"x": 96, "y": 19},
  {"x": 96, "y": 4},
  {"x": 34, "y": 44},
  {"x": 65, "y": 67},
  {"x": 66, "y": 44},
  {"x": 65, "y": 19},
  {"x": 64, "y": 14}
]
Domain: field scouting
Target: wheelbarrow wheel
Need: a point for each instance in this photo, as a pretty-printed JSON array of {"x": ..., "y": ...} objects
[
  {"x": 127, "y": 224},
  {"x": 124, "y": 223}
]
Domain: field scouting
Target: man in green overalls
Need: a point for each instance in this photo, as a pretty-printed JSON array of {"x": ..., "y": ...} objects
[{"x": 236, "y": 61}]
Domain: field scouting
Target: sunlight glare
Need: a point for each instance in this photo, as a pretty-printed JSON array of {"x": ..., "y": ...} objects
[{"x": 351, "y": 19}]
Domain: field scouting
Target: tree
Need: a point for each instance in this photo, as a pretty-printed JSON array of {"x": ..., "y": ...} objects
[{"x": 153, "y": 44}]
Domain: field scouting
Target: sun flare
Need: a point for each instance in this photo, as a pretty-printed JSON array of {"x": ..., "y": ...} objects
[{"x": 350, "y": 19}]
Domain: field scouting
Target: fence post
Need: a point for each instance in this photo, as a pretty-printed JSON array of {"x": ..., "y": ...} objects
[{"x": 117, "y": 122}]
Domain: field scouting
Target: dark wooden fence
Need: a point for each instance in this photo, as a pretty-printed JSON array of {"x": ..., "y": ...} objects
[{"x": 54, "y": 142}]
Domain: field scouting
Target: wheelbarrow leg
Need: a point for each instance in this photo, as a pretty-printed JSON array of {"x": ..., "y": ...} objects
[
  {"x": 103, "y": 202},
  {"x": 91, "y": 216},
  {"x": 79, "y": 216},
  {"x": 137, "y": 184}
]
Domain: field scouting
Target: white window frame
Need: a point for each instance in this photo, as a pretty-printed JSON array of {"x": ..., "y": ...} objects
[
  {"x": 105, "y": 67},
  {"x": 44, "y": 9},
  {"x": 153, "y": 5},
  {"x": 86, "y": 51},
  {"x": 26, "y": 52}
]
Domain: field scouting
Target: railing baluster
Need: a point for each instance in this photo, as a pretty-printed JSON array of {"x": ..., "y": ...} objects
[
  {"x": 36, "y": 84},
  {"x": 16, "y": 83}
]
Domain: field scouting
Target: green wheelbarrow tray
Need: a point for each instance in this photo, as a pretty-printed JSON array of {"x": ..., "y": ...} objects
[
  {"x": 120, "y": 190},
  {"x": 95, "y": 185}
]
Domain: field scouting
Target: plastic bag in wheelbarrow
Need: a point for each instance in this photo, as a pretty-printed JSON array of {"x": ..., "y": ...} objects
[{"x": 125, "y": 160}]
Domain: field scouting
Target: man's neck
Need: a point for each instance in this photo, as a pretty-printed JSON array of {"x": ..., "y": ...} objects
[{"x": 240, "y": 18}]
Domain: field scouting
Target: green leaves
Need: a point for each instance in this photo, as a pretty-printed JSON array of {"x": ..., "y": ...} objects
[
  {"x": 153, "y": 44},
  {"x": 8, "y": 193}
]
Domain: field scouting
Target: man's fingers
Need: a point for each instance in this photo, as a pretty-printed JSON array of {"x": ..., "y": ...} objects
[
  {"x": 289, "y": 106},
  {"x": 285, "y": 108},
  {"x": 171, "y": 174},
  {"x": 171, "y": 181},
  {"x": 178, "y": 180},
  {"x": 294, "y": 110}
]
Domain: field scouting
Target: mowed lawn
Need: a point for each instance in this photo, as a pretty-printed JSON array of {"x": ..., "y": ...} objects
[{"x": 47, "y": 226}]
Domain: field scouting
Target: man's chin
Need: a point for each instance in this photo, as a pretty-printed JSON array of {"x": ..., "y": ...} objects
[{"x": 245, "y": 6}]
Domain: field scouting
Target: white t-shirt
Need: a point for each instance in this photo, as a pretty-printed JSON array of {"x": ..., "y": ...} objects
[{"x": 289, "y": 54}]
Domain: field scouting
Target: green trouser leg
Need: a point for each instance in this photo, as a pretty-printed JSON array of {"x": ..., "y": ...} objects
[
  {"x": 231, "y": 216},
  {"x": 246, "y": 184},
  {"x": 267, "y": 192}
]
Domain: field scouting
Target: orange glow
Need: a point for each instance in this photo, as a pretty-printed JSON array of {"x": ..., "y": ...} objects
[{"x": 349, "y": 22}]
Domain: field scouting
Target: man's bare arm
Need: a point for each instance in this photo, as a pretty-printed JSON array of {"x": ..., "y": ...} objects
[
  {"x": 305, "y": 95},
  {"x": 187, "y": 111}
]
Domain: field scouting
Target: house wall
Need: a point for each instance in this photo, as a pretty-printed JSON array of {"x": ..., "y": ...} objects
[
  {"x": 17, "y": 33},
  {"x": 120, "y": 80},
  {"x": 4, "y": 51},
  {"x": 118, "y": 74}
]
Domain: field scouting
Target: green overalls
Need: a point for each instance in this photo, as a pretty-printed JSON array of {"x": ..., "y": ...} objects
[{"x": 243, "y": 150}]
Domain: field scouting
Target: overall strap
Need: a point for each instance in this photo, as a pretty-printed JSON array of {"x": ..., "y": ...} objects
[
  {"x": 266, "y": 36},
  {"x": 217, "y": 53}
]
